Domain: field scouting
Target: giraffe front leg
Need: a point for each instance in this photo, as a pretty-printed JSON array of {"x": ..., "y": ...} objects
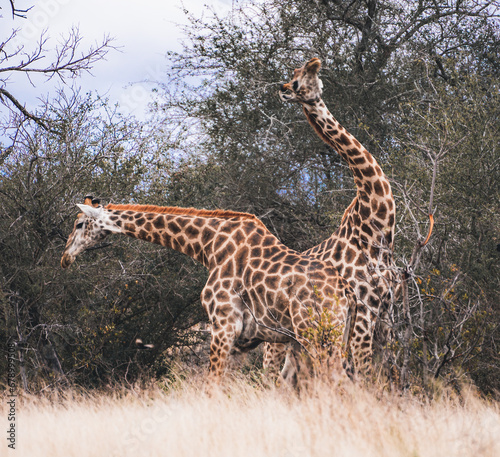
[
  {"x": 226, "y": 327},
  {"x": 220, "y": 347}
]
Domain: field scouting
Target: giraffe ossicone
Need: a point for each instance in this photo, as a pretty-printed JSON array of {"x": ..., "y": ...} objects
[{"x": 258, "y": 289}]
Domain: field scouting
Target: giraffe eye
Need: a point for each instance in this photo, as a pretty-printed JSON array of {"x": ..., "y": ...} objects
[
  {"x": 295, "y": 85},
  {"x": 79, "y": 225}
]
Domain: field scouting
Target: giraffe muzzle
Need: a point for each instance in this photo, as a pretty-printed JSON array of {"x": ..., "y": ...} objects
[
  {"x": 67, "y": 260},
  {"x": 286, "y": 92}
]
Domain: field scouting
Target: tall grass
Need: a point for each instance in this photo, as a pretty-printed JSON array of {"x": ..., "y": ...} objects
[{"x": 245, "y": 420}]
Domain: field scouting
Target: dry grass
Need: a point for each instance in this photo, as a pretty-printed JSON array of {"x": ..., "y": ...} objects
[{"x": 243, "y": 420}]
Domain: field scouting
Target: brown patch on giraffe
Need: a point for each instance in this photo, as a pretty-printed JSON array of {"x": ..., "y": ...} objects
[
  {"x": 349, "y": 255},
  {"x": 378, "y": 188},
  {"x": 227, "y": 269},
  {"x": 364, "y": 211},
  {"x": 367, "y": 230},
  {"x": 369, "y": 157},
  {"x": 191, "y": 231},
  {"x": 272, "y": 281},
  {"x": 344, "y": 139},
  {"x": 278, "y": 256},
  {"x": 183, "y": 221},
  {"x": 362, "y": 292},
  {"x": 257, "y": 277},
  {"x": 290, "y": 259},
  {"x": 382, "y": 211},
  {"x": 240, "y": 260},
  {"x": 159, "y": 222},
  {"x": 331, "y": 130},
  {"x": 128, "y": 227},
  {"x": 254, "y": 238},
  {"x": 238, "y": 237},
  {"x": 173, "y": 227},
  {"x": 256, "y": 252},
  {"x": 269, "y": 241},
  {"x": 337, "y": 253},
  {"x": 156, "y": 238},
  {"x": 274, "y": 268},
  {"x": 188, "y": 250},
  {"x": 358, "y": 160},
  {"x": 270, "y": 252},
  {"x": 228, "y": 251},
  {"x": 255, "y": 263},
  {"x": 197, "y": 248},
  {"x": 206, "y": 235},
  {"x": 220, "y": 240},
  {"x": 368, "y": 172}
]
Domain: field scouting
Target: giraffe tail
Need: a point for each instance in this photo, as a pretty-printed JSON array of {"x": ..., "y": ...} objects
[{"x": 431, "y": 226}]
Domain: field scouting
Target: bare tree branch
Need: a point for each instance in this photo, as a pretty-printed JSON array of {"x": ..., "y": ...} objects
[{"x": 67, "y": 62}]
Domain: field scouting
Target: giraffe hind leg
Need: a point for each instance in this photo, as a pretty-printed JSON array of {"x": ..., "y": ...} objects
[{"x": 274, "y": 355}]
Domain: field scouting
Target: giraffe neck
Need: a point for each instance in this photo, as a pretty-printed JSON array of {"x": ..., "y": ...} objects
[
  {"x": 191, "y": 235},
  {"x": 360, "y": 161},
  {"x": 374, "y": 202}
]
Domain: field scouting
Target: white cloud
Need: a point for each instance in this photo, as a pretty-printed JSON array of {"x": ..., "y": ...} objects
[{"x": 144, "y": 31}]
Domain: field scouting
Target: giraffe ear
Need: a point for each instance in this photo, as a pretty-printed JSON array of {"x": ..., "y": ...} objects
[{"x": 90, "y": 211}]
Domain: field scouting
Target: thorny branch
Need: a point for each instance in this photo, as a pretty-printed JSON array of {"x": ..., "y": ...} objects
[{"x": 67, "y": 62}]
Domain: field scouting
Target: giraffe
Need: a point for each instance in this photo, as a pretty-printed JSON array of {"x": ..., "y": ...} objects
[
  {"x": 257, "y": 290},
  {"x": 362, "y": 247}
]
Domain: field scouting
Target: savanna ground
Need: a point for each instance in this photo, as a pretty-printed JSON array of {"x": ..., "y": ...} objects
[{"x": 180, "y": 418}]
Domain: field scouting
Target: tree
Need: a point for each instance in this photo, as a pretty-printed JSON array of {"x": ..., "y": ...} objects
[
  {"x": 448, "y": 143},
  {"x": 385, "y": 63},
  {"x": 80, "y": 326},
  {"x": 67, "y": 62}
]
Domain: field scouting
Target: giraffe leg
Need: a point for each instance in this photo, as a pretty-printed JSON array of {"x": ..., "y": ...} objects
[
  {"x": 362, "y": 345},
  {"x": 220, "y": 347},
  {"x": 226, "y": 327},
  {"x": 274, "y": 354}
]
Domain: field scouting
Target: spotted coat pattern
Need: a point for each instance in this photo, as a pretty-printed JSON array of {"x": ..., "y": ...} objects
[{"x": 257, "y": 290}]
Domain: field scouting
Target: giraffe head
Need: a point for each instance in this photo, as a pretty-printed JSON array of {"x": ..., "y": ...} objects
[
  {"x": 90, "y": 227},
  {"x": 305, "y": 86}
]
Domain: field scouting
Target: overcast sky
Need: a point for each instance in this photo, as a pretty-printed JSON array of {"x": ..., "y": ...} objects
[{"x": 143, "y": 30}]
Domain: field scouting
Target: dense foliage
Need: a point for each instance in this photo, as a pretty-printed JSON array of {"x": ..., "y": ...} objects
[{"x": 416, "y": 82}]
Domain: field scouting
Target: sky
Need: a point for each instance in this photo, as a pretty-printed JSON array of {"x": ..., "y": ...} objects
[{"x": 144, "y": 31}]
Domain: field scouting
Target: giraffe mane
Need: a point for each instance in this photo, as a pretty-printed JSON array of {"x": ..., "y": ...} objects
[{"x": 175, "y": 210}]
